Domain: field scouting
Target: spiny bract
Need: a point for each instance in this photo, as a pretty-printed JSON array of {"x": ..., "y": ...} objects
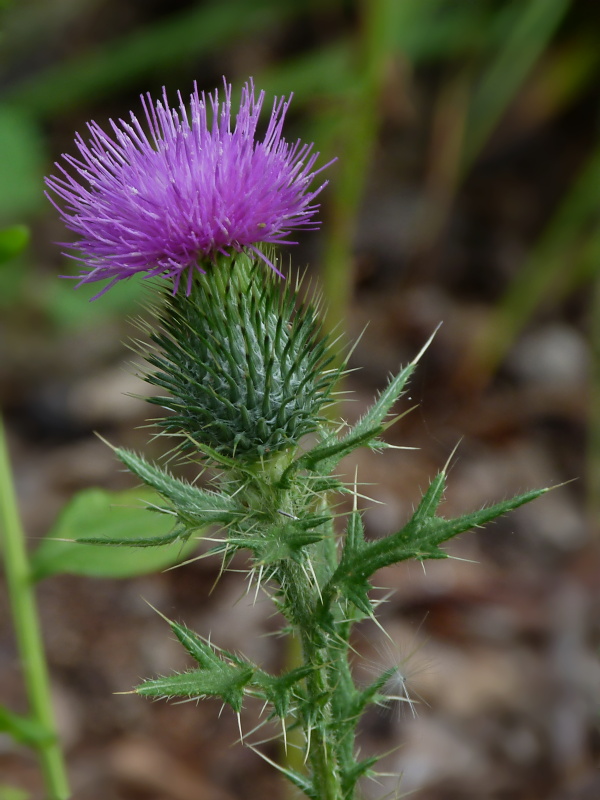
[{"x": 245, "y": 369}]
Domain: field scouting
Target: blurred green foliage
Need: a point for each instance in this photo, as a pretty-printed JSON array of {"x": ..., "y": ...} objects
[
  {"x": 13, "y": 241},
  {"x": 492, "y": 53},
  {"x": 13, "y": 793},
  {"x": 21, "y": 166},
  {"x": 153, "y": 50}
]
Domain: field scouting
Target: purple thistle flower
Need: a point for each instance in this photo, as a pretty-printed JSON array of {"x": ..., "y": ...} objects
[{"x": 175, "y": 199}]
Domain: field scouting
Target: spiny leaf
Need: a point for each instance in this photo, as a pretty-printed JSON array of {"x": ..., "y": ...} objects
[
  {"x": 219, "y": 458},
  {"x": 200, "y": 651},
  {"x": 221, "y": 674},
  {"x": 324, "y": 456},
  {"x": 447, "y": 528},
  {"x": 355, "y": 535},
  {"x": 431, "y": 499},
  {"x": 356, "y": 589},
  {"x": 289, "y": 539},
  {"x": 326, "y": 484},
  {"x": 420, "y": 538},
  {"x": 370, "y": 694},
  {"x": 192, "y": 504},
  {"x": 351, "y": 775},
  {"x": 223, "y": 680},
  {"x": 278, "y": 689},
  {"x": 177, "y": 534},
  {"x": 300, "y": 781},
  {"x": 337, "y": 450},
  {"x": 380, "y": 409},
  {"x": 349, "y": 579},
  {"x": 369, "y": 426}
]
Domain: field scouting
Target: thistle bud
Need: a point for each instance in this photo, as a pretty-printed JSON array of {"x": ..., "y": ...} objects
[{"x": 245, "y": 369}]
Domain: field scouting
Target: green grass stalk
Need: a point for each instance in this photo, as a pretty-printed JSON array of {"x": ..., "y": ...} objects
[
  {"x": 28, "y": 634},
  {"x": 358, "y": 131}
]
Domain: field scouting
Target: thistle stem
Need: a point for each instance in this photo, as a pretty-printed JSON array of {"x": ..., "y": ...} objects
[
  {"x": 329, "y": 682},
  {"x": 27, "y": 629},
  {"x": 318, "y": 722}
]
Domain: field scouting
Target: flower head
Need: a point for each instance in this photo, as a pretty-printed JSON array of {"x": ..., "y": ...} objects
[{"x": 194, "y": 186}]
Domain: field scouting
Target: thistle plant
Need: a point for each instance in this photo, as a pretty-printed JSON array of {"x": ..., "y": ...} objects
[{"x": 244, "y": 376}]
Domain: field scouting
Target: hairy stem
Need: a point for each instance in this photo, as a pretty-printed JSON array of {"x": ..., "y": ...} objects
[
  {"x": 329, "y": 685},
  {"x": 318, "y": 720}
]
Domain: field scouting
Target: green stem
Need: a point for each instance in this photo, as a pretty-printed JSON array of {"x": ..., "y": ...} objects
[
  {"x": 299, "y": 648},
  {"x": 329, "y": 684},
  {"x": 318, "y": 720},
  {"x": 27, "y": 628},
  {"x": 322, "y": 756}
]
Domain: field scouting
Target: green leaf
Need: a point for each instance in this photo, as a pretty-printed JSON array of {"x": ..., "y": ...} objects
[
  {"x": 23, "y": 729},
  {"x": 358, "y": 770},
  {"x": 289, "y": 539},
  {"x": 278, "y": 690},
  {"x": 13, "y": 241},
  {"x": 223, "y": 680},
  {"x": 199, "y": 649},
  {"x": 325, "y": 484},
  {"x": 354, "y": 586},
  {"x": 381, "y": 407},
  {"x": 95, "y": 513},
  {"x": 194, "y": 506},
  {"x": 372, "y": 423},
  {"x": 326, "y": 455},
  {"x": 447, "y": 528},
  {"x": 299, "y": 781},
  {"x": 420, "y": 539},
  {"x": 354, "y": 540},
  {"x": 220, "y": 458},
  {"x": 221, "y": 674},
  {"x": 372, "y": 693},
  {"x": 431, "y": 499},
  {"x": 356, "y": 590},
  {"x": 349, "y": 579}
]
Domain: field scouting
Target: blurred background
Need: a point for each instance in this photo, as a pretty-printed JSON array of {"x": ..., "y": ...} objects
[{"x": 466, "y": 192}]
